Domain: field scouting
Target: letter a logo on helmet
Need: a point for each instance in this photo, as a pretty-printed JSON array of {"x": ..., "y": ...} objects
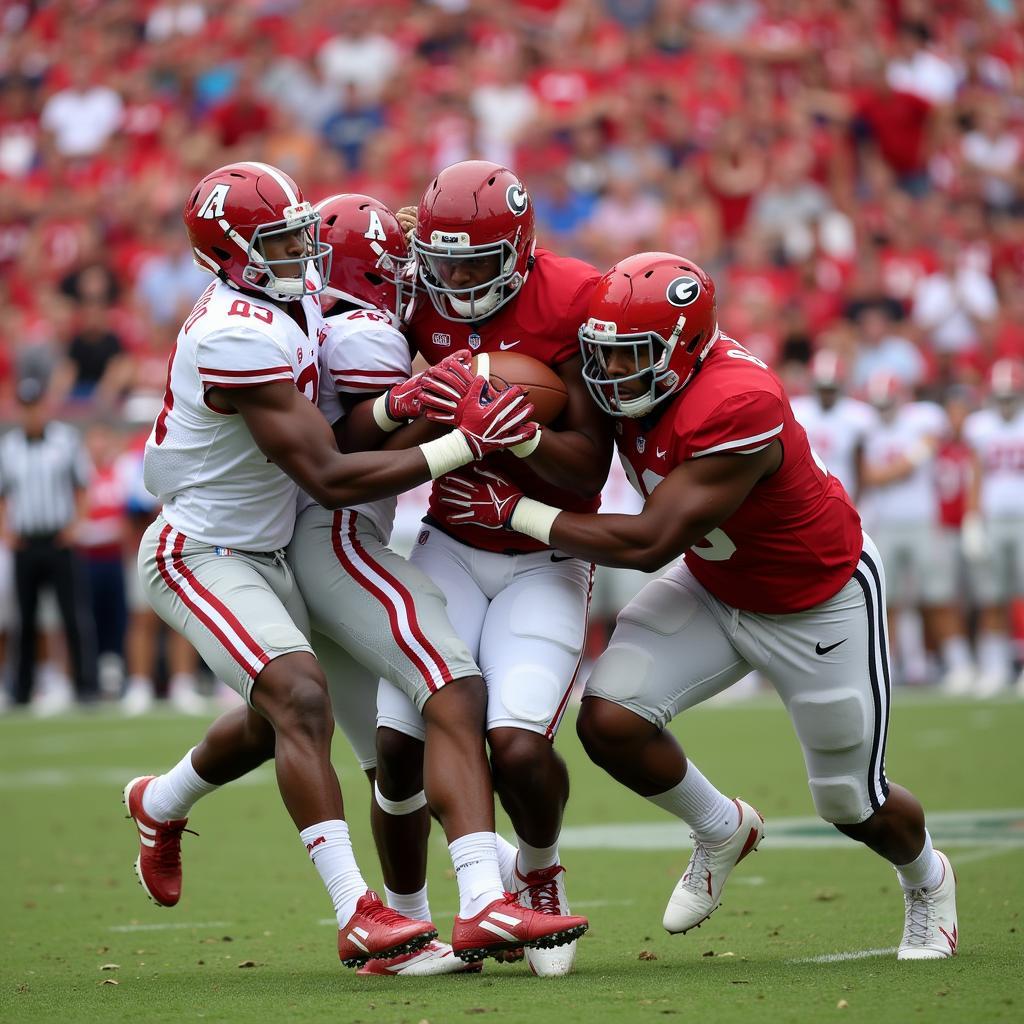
[
  {"x": 683, "y": 291},
  {"x": 517, "y": 199},
  {"x": 213, "y": 207}
]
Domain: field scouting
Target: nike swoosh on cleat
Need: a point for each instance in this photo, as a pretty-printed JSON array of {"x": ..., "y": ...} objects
[{"x": 818, "y": 649}]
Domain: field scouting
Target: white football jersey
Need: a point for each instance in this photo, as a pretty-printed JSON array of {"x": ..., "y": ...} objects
[
  {"x": 1000, "y": 446},
  {"x": 912, "y": 499},
  {"x": 362, "y": 354},
  {"x": 215, "y": 484},
  {"x": 836, "y": 433}
]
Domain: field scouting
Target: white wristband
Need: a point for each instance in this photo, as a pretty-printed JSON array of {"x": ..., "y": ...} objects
[
  {"x": 526, "y": 448},
  {"x": 447, "y": 453},
  {"x": 381, "y": 417},
  {"x": 535, "y": 519}
]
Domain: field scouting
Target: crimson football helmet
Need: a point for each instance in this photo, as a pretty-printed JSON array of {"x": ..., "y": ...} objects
[
  {"x": 1006, "y": 379},
  {"x": 473, "y": 210},
  {"x": 659, "y": 310},
  {"x": 234, "y": 210},
  {"x": 370, "y": 263},
  {"x": 885, "y": 389},
  {"x": 827, "y": 370}
]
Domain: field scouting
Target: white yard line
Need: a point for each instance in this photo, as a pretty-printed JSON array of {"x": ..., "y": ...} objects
[
  {"x": 171, "y": 926},
  {"x": 835, "y": 958}
]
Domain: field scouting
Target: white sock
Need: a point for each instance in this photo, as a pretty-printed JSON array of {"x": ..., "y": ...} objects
[
  {"x": 712, "y": 816},
  {"x": 330, "y": 849},
  {"x": 413, "y": 905},
  {"x": 924, "y": 871},
  {"x": 172, "y": 795},
  {"x": 994, "y": 653},
  {"x": 475, "y": 858},
  {"x": 139, "y": 683},
  {"x": 507, "y": 854},
  {"x": 955, "y": 653},
  {"x": 182, "y": 681},
  {"x": 535, "y": 858}
]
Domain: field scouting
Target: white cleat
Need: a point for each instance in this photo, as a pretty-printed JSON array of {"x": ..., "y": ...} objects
[
  {"x": 137, "y": 699},
  {"x": 182, "y": 696},
  {"x": 698, "y": 893},
  {"x": 434, "y": 958},
  {"x": 544, "y": 891},
  {"x": 959, "y": 682},
  {"x": 992, "y": 684},
  {"x": 929, "y": 930}
]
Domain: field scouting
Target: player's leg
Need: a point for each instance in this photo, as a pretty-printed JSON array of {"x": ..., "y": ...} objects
[
  {"x": 839, "y": 704},
  {"x": 992, "y": 583},
  {"x": 670, "y": 651},
  {"x": 947, "y": 615},
  {"x": 244, "y": 615}
]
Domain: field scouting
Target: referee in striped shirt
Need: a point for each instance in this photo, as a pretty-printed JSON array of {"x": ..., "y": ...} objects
[{"x": 44, "y": 469}]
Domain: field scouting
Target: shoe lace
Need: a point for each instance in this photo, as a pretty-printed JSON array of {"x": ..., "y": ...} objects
[
  {"x": 543, "y": 895},
  {"x": 385, "y": 915},
  {"x": 167, "y": 851},
  {"x": 920, "y": 916},
  {"x": 696, "y": 878}
]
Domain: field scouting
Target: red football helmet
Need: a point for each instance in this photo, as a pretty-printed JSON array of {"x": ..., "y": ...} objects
[
  {"x": 827, "y": 370},
  {"x": 370, "y": 263},
  {"x": 886, "y": 389},
  {"x": 1006, "y": 379},
  {"x": 233, "y": 211},
  {"x": 657, "y": 309},
  {"x": 473, "y": 210}
]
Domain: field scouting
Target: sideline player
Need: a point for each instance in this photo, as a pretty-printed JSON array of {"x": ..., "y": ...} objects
[
  {"x": 836, "y": 424},
  {"x": 520, "y": 606},
  {"x": 238, "y": 410},
  {"x": 777, "y": 575},
  {"x": 994, "y": 525},
  {"x": 372, "y": 613}
]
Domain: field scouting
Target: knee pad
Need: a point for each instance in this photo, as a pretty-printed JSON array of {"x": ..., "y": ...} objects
[
  {"x": 532, "y": 693},
  {"x": 621, "y": 673},
  {"x": 830, "y": 722},
  {"x": 399, "y": 807},
  {"x": 840, "y": 800}
]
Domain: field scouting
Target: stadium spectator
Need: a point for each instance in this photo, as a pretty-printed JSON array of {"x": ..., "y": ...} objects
[{"x": 81, "y": 117}]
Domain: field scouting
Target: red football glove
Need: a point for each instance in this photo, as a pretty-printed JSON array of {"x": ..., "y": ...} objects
[
  {"x": 491, "y": 422},
  {"x": 445, "y": 385},
  {"x": 402, "y": 401},
  {"x": 479, "y": 497}
]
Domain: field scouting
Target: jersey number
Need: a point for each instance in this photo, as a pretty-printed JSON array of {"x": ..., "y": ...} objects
[
  {"x": 308, "y": 382},
  {"x": 242, "y": 308},
  {"x": 160, "y": 430},
  {"x": 717, "y": 546}
]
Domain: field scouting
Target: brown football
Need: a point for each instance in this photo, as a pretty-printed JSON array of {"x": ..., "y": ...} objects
[{"x": 542, "y": 384}]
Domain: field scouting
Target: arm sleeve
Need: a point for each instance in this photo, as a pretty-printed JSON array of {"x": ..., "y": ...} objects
[
  {"x": 241, "y": 358},
  {"x": 740, "y": 425},
  {"x": 366, "y": 360}
]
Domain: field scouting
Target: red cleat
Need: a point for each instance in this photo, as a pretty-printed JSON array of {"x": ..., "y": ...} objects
[
  {"x": 158, "y": 864},
  {"x": 378, "y": 932},
  {"x": 504, "y": 924}
]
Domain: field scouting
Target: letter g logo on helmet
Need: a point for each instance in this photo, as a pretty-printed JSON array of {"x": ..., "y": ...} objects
[
  {"x": 683, "y": 291},
  {"x": 517, "y": 199}
]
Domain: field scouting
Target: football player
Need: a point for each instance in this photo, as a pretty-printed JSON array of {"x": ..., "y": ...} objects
[
  {"x": 374, "y": 614},
  {"x": 836, "y": 424},
  {"x": 238, "y": 430},
  {"x": 776, "y": 575},
  {"x": 900, "y": 504},
  {"x": 519, "y": 605},
  {"x": 994, "y": 524}
]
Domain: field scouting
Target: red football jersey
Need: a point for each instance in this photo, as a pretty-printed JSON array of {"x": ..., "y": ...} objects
[
  {"x": 542, "y": 321},
  {"x": 954, "y": 468},
  {"x": 796, "y": 539}
]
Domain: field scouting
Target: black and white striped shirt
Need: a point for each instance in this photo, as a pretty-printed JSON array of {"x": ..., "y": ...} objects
[{"x": 39, "y": 478}]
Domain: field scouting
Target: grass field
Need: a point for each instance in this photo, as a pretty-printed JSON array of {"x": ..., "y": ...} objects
[{"x": 71, "y": 904}]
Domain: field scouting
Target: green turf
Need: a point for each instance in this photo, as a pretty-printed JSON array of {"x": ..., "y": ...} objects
[{"x": 251, "y": 895}]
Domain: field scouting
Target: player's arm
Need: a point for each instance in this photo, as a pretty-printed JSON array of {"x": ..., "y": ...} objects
[
  {"x": 577, "y": 454},
  {"x": 695, "y": 498},
  {"x": 359, "y": 431},
  {"x": 293, "y": 434},
  {"x": 878, "y": 474}
]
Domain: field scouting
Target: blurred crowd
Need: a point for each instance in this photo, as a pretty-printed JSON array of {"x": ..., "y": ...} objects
[{"x": 848, "y": 171}]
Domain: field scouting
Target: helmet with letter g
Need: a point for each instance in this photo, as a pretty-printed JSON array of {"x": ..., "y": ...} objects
[
  {"x": 475, "y": 214},
  {"x": 370, "y": 263},
  {"x": 659, "y": 310},
  {"x": 235, "y": 210}
]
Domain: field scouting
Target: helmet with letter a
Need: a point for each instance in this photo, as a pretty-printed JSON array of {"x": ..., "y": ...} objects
[
  {"x": 652, "y": 320},
  {"x": 233, "y": 213},
  {"x": 474, "y": 239},
  {"x": 370, "y": 263}
]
